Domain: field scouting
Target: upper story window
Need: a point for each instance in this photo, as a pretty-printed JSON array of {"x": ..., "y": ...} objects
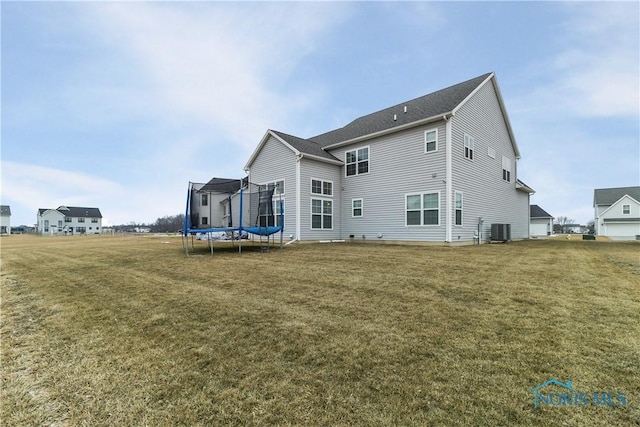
[
  {"x": 324, "y": 188},
  {"x": 205, "y": 200},
  {"x": 431, "y": 140},
  {"x": 506, "y": 169},
  {"x": 80, "y": 219},
  {"x": 94, "y": 220},
  {"x": 469, "y": 143},
  {"x": 67, "y": 219},
  {"x": 626, "y": 209},
  {"x": 278, "y": 186},
  {"x": 357, "y": 161}
]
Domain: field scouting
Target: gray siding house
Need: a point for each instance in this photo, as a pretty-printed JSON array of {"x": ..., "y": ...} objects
[{"x": 441, "y": 167}]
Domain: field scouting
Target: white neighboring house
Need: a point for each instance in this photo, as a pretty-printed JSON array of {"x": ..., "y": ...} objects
[
  {"x": 69, "y": 220},
  {"x": 617, "y": 212},
  {"x": 5, "y": 219},
  {"x": 540, "y": 222}
]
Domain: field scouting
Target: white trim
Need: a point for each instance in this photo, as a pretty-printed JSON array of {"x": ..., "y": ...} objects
[
  {"x": 425, "y": 140},
  {"x": 422, "y": 208},
  {"x": 387, "y": 131},
  {"x": 509, "y": 169},
  {"x": 322, "y": 214},
  {"x": 298, "y": 200},
  {"x": 449, "y": 180},
  {"x": 491, "y": 152},
  {"x": 263, "y": 141},
  {"x": 361, "y": 200},
  {"x": 346, "y": 165},
  {"x": 471, "y": 146},
  {"x": 455, "y": 208},
  {"x": 322, "y": 182}
]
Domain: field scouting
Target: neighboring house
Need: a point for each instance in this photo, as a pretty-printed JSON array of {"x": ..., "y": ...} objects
[
  {"x": 441, "y": 167},
  {"x": 211, "y": 205},
  {"x": 5, "y": 219},
  {"x": 541, "y": 223},
  {"x": 617, "y": 212},
  {"x": 69, "y": 220}
]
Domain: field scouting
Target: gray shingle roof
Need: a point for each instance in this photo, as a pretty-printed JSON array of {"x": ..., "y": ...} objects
[
  {"x": 608, "y": 196},
  {"x": 433, "y": 104},
  {"x": 222, "y": 185},
  {"x": 75, "y": 212},
  {"x": 305, "y": 146},
  {"x": 536, "y": 211},
  {"x": 5, "y": 210}
]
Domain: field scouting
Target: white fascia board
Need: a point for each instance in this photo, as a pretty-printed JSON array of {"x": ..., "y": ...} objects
[
  {"x": 263, "y": 141},
  {"x": 388, "y": 131},
  {"x": 322, "y": 159}
]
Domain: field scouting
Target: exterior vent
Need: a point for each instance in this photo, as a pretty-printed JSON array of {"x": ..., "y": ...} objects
[
  {"x": 500, "y": 232},
  {"x": 395, "y": 118},
  {"x": 405, "y": 109}
]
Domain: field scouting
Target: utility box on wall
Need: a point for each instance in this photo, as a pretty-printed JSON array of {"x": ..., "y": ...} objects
[{"x": 500, "y": 232}]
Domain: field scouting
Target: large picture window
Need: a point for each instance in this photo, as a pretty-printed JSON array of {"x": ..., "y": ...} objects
[
  {"x": 321, "y": 214},
  {"x": 357, "y": 161},
  {"x": 422, "y": 209}
]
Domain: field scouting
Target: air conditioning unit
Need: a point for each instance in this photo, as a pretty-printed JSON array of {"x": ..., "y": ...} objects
[{"x": 500, "y": 232}]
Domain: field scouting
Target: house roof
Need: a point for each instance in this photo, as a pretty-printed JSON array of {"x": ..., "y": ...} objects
[
  {"x": 608, "y": 196},
  {"x": 75, "y": 211},
  {"x": 536, "y": 211},
  {"x": 5, "y": 210},
  {"x": 305, "y": 146},
  {"x": 432, "y": 105},
  {"x": 222, "y": 185}
]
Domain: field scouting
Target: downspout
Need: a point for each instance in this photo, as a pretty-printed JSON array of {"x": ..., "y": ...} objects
[
  {"x": 298, "y": 228},
  {"x": 448, "y": 178}
]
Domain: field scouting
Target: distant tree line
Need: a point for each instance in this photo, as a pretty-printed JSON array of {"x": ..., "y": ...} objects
[{"x": 169, "y": 223}]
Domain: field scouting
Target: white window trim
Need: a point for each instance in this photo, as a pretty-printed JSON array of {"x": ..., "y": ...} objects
[
  {"x": 274, "y": 182},
  {"x": 361, "y": 208},
  {"x": 506, "y": 161},
  {"x": 322, "y": 214},
  {"x": 322, "y": 182},
  {"x": 455, "y": 208},
  {"x": 425, "y": 140},
  {"x": 469, "y": 142},
  {"x": 368, "y": 147},
  {"x": 422, "y": 209},
  {"x": 628, "y": 210}
]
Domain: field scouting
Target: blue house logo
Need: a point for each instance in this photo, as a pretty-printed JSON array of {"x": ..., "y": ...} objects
[{"x": 568, "y": 396}]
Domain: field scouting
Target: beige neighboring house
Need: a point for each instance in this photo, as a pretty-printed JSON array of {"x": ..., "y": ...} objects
[
  {"x": 69, "y": 220},
  {"x": 617, "y": 212},
  {"x": 5, "y": 219},
  {"x": 540, "y": 222}
]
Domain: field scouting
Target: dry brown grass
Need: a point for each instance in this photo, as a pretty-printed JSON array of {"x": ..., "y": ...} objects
[{"x": 128, "y": 331}]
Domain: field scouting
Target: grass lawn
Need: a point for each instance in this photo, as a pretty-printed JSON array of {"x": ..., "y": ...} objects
[{"x": 110, "y": 330}]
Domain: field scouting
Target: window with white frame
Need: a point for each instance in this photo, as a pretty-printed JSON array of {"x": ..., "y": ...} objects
[
  {"x": 357, "y": 161},
  {"x": 67, "y": 219},
  {"x": 458, "y": 208},
  {"x": 278, "y": 186},
  {"x": 94, "y": 220},
  {"x": 205, "y": 200},
  {"x": 469, "y": 143},
  {"x": 321, "y": 187},
  {"x": 506, "y": 169},
  {"x": 205, "y": 220},
  {"x": 321, "y": 214},
  {"x": 431, "y": 140},
  {"x": 357, "y": 208},
  {"x": 80, "y": 219},
  {"x": 422, "y": 209},
  {"x": 626, "y": 209}
]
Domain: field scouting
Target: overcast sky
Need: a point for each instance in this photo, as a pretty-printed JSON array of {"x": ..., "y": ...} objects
[{"x": 119, "y": 105}]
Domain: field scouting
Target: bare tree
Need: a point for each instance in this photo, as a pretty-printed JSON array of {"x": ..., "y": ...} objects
[{"x": 562, "y": 222}]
